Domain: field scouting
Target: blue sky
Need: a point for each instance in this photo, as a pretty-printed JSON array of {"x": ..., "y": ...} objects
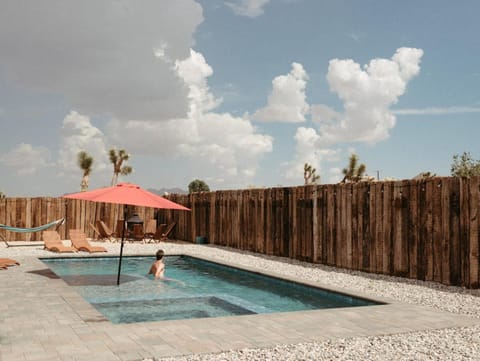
[{"x": 239, "y": 93}]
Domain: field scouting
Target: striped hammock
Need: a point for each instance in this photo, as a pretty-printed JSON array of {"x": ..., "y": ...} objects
[{"x": 57, "y": 223}]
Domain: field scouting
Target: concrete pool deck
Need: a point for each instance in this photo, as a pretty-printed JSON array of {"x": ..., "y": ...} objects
[{"x": 42, "y": 318}]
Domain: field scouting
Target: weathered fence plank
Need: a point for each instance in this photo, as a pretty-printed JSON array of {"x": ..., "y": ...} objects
[
  {"x": 473, "y": 259},
  {"x": 355, "y": 224},
  {"x": 378, "y": 236},
  {"x": 445, "y": 209},
  {"x": 387, "y": 228},
  {"x": 330, "y": 225},
  {"x": 373, "y": 210},
  {"x": 455, "y": 253},
  {"x": 437, "y": 231}
]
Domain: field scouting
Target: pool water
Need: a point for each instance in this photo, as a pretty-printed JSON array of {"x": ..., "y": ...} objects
[{"x": 197, "y": 289}]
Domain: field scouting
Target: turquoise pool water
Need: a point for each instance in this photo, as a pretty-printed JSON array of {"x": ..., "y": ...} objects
[{"x": 199, "y": 289}]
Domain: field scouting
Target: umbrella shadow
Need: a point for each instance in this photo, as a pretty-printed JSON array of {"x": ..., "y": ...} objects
[
  {"x": 96, "y": 280},
  {"x": 85, "y": 280},
  {"x": 46, "y": 272}
]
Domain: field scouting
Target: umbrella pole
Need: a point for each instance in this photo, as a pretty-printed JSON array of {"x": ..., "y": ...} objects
[{"x": 121, "y": 246}]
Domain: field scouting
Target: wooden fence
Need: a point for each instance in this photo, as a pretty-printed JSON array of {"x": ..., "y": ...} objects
[
  {"x": 33, "y": 212},
  {"x": 420, "y": 229}
]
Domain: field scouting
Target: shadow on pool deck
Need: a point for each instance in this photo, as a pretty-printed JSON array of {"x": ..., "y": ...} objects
[{"x": 46, "y": 272}]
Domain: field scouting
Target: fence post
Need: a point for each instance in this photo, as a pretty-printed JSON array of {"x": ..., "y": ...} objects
[{"x": 315, "y": 225}]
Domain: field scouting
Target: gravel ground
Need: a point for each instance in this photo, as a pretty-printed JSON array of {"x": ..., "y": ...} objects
[{"x": 444, "y": 344}]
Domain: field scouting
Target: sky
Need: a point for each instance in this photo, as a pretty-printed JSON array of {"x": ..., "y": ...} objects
[{"x": 238, "y": 93}]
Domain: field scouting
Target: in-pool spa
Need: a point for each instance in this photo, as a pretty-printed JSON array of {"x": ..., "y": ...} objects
[{"x": 197, "y": 288}]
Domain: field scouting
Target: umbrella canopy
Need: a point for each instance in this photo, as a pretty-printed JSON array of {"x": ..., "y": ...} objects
[{"x": 126, "y": 193}]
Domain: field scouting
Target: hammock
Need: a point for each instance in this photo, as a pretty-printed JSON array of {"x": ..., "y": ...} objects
[{"x": 57, "y": 223}]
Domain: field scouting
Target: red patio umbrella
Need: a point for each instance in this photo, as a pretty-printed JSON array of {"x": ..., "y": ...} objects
[{"x": 130, "y": 194}]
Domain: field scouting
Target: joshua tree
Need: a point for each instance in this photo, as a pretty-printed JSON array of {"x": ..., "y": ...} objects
[
  {"x": 198, "y": 185},
  {"x": 354, "y": 172},
  {"x": 309, "y": 174},
  {"x": 465, "y": 166},
  {"x": 84, "y": 161},
  {"x": 2, "y": 195},
  {"x": 117, "y": 161},
  {"x": 425, "y": 175}
]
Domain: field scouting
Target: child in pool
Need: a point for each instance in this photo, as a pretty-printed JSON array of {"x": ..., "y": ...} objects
[{"x": 158, "y": 267}]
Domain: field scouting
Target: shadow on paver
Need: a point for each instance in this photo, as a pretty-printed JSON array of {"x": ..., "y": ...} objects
[{"x": 45, "y": 273}]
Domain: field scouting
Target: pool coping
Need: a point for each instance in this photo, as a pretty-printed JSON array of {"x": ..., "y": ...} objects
[{"x": 45, "y": 316}]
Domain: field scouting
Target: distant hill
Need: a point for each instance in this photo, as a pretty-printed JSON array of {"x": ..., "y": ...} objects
[{"x": 162, "y": 191}]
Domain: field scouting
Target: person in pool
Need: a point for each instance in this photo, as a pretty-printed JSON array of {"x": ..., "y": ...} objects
[{"x": 158, "y": 267}]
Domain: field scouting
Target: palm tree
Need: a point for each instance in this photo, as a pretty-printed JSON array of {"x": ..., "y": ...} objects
[
  {"x": 354, "y": 172},
  {"x": 309, "y": 174},
  {"x": 117, "y": 161},
  {"x": 85, "y": 162}
]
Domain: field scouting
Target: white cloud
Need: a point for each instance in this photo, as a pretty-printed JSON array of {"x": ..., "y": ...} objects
[
  {"x": 27, "y": 159},
  {"x": 103, "y": 57},
  {"x": 436, "y": 111},
  {"x": 322, "y": 114},
  {"x": 305, "y": 139},
  {"x": 335, "y": 175},
  {"x": 250, "y": 8},
  {"x": 231, "y": 142},
  {"x": 367, "y": 96},
  {"x": 194, "y": 71},
  {"x": 287, "y": 101},
  {"x": 128, "y": 63},
  {"x": 213, "y": 143},
  {"x": 306, "y": 150},
  {"x": 78, "y": 134}
]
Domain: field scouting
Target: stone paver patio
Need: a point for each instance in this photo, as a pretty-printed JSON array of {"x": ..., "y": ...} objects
[{"x": 42, "y": 318}]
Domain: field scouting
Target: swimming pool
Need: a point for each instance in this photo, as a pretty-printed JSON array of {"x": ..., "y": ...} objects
[{"x": 199, "y": 289}]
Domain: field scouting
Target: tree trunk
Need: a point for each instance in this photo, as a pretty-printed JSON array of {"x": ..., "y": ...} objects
[{"x": 84, "y": 183}]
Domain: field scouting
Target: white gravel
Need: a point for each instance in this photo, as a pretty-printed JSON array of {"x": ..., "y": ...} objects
[{"x": 445, "y": 344}]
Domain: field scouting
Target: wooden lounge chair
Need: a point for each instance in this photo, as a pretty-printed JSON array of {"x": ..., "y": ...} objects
[
  {"x": 95, "y": 230},
  {"x": 163, "y": 231},
  {"x": 104, "y": 231},
  {"x": 7, "y": 262},
  {"x": 168, "y": 230},
  {"x": 54, "y": 243},
  {"x": 80, "y": 242},
  {"x": 158, "y": 233}
]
